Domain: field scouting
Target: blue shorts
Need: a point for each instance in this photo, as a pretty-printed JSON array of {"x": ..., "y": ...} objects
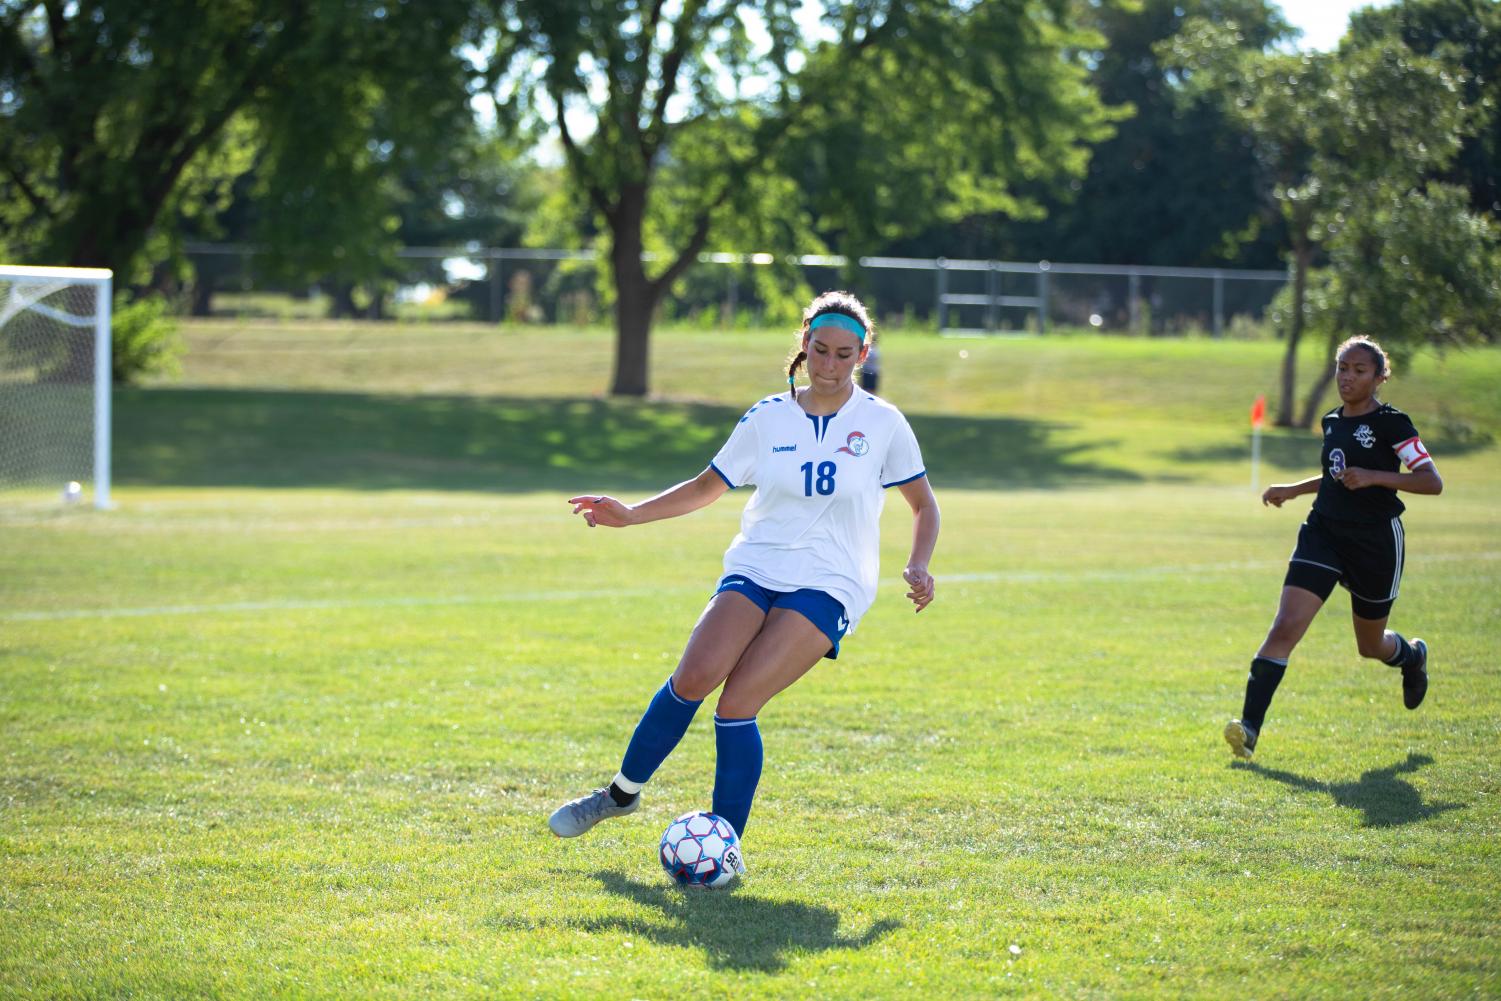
[{"x": 818, "y": 607}]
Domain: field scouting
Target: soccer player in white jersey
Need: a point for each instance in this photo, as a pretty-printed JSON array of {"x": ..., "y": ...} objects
[
  {"x": 1353, "y": 537},
  {"x": 798, "y": 576}
]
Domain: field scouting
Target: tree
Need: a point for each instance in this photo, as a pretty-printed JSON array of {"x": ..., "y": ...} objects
[
  {"x": 1331, "y": 132},
  {"x": 711, "y": 93},
  {"x": 380, "y": 123},
  {"x": 1173, "y": 186},
  {"x": 1410, "y": 268},
  {"x": 124, "y": 123},
  {"x": 107, "y": 104},
  {"x": 1467, "y": 33}
]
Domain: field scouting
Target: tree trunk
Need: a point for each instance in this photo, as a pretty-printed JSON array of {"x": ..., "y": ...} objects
[
  {"x": 633, "y": 314},
  {"x": 1302, "y": 256},
  {"x": 341, "y": 305},
  {"x": 635, "y": 295},
  {"x": 85, "y": 242},
  {"x": 203, "y": 294},
  {"x": 1314, "y": 403}
]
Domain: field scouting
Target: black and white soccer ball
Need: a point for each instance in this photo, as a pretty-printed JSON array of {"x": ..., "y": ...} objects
[{"x": 702, "y": 850}]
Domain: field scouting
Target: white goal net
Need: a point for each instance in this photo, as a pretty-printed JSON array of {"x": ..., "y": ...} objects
[{"x": 54, "y": 385}]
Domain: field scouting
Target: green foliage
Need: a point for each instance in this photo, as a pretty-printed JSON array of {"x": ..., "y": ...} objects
[
  {"x": 1171, "y": 186},
  {"x": 194, "y": 208},
  {"x": 124, "y": 119},
  {"x": 381, "y": 107},
  {"x": 1344, "y": 142},
  {"x": 481, "y": 189},
  {"x": 678, "y": 123},
  {"x": 144, "y": 339},
  {"x": 1415, "y": 268},
  {"x": 110, "y": 102},
  {"x": 956, "y": 111},
  {"x": 1326, "y": 125},
  {"x": 1466, "y": 33}
]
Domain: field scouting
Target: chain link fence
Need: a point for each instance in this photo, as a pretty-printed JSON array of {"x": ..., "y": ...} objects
[{"x": 550, "y": 286}]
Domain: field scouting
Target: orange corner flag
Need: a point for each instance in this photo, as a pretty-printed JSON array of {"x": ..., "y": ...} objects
[{"x": 1258, "y": 411}]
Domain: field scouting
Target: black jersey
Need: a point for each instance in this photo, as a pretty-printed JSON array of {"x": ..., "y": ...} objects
[{"x": 1382, "y": 439}]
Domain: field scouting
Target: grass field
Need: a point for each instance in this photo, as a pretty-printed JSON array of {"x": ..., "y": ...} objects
[{"x": 289, "y": 721}]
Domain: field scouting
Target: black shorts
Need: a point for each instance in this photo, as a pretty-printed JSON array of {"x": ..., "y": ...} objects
[{"x": 1364, "y": 557}]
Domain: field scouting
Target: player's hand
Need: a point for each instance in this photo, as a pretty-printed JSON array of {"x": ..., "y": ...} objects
[
  {"x": 1355, "y": 478},
  {"x": 600, "y": 510},
  {"x": 1276, "y": 494},
  {"x": 922, "y": 586}
]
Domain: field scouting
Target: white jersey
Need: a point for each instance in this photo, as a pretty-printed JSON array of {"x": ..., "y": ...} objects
[{"x": 814, "y": 520}]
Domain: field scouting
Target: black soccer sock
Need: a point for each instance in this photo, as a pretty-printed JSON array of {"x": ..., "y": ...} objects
[
  {"x": 1406, "y": 654},
  {"x": 1266, "y": 675},
  {"x": 621, "y": 797}
]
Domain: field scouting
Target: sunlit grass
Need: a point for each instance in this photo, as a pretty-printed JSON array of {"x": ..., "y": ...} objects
[{"x": 289, "y": 721}]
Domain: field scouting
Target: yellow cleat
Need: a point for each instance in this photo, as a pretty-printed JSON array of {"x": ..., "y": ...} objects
[{"x": 1241, "y": 738}]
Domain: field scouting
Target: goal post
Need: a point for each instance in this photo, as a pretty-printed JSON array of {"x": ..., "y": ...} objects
[{"x": 55, "y": 373}]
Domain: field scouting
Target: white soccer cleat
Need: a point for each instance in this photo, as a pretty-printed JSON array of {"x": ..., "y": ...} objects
[{"x": 577, "y": 816}]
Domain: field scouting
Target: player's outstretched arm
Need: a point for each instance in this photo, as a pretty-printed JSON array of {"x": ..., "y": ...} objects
[
  {"x": 1279, "y": 492},
  {"x": 690, "y": 495},
  {"x": 925, "y": 519}
]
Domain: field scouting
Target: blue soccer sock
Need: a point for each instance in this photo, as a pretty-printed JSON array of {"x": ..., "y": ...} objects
[
  {"x": 661, "y": 727},
  {"x": 737, "y": 769}
]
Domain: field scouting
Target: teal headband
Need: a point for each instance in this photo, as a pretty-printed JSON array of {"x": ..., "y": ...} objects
[{"x": 839, "y": 320}]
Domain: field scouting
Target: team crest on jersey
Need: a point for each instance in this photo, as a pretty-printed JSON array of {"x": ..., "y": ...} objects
[
  {"x": 1365, "y": 436},
  {"x": 855, "y": 444},
  {"x": 1337, "y": 463}
]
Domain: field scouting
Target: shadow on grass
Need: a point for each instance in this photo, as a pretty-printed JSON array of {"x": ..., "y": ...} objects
[
  {"x": 262, "y": 438},
  {"x": 1385, "y": 799},
  {"x": 735, "y": 929}
]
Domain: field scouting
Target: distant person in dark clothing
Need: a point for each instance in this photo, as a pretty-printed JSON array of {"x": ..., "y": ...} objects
[{"x": 870, "y": 369}]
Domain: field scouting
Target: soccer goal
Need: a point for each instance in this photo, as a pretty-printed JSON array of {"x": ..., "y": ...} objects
[{"x": 54, "y": 385}]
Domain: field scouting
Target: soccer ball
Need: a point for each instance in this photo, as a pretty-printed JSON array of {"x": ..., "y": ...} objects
[{"x": 701, "y": 849}]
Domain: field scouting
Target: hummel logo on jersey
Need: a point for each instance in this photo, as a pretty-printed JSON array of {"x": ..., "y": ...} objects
[
  {"x": 784, "y": 448},
  {"x": 1365, "y": 436}
]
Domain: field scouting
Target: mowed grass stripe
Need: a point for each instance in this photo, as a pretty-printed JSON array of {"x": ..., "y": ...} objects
[{"x": 1205, "y": 570}]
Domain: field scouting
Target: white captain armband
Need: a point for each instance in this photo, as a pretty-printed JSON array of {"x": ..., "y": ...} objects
[{"x": 1412, "y": 453}]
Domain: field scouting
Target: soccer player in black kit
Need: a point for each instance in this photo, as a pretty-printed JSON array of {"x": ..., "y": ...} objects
[{"x": 1353, "y": 536}]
